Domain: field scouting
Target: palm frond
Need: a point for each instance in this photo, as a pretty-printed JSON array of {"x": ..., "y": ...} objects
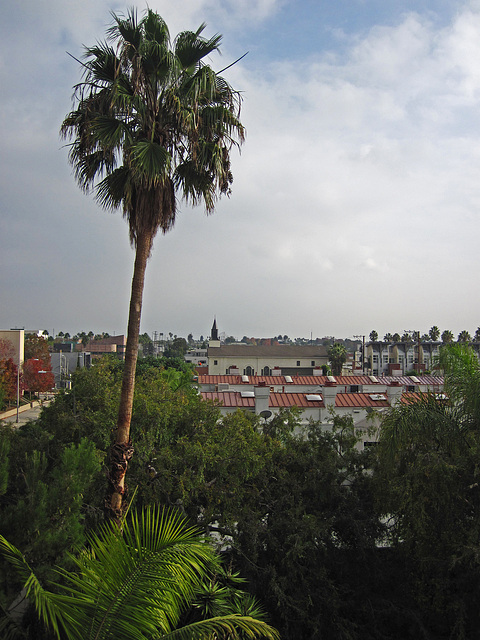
[
  {"x": 156, "y": 29},
  {"x": 229, "y": 627},
  {"x": 110, "y": 132},
  {"x": 190, "y": 48},
  {"x": 110, "y": 193},
  {"x": 150, "y": 163}
]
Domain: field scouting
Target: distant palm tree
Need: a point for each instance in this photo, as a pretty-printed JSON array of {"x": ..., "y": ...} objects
[
  {"x": 337, "y": 354},
  {"x": 464, "y": 336},
  {"x": 434, "y": 333},
  {"x": 138, "y": 584},
  {"x": 151, "y": 119},
  {"x": 447, "y": 336}
]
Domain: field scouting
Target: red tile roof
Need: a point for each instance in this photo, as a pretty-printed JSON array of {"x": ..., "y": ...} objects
[
  {"x": 319, "y": 380},
  {"x": 277, "y": 400},
  {"x": 360, "y": 400},
  {"x": 234, "y": 399}
]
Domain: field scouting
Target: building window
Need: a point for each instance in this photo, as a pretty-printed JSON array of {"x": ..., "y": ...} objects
[
  {"x": 215, "y": 362},
  {"x": 298, "y": 363},
  {"x": 266, "y": 371},
  {"x": 354, "y": 388},
  {"x": 313, "y": 363},
  {"x": 249, "y": 371},
  {"x": 375, "y": 357}
]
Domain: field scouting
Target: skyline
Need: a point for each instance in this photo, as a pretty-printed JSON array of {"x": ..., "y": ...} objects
[{"x": 355, "y": 198}]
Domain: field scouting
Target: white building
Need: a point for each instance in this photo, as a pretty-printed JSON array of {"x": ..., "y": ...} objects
[{"x": 398, "y": 358}]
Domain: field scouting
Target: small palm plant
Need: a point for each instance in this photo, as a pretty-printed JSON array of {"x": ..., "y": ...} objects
[{"x": 137, "y": 584}]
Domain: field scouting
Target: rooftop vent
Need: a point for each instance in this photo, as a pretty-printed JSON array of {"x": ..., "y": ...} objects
[
  {"x": 373, "y": 378},
  {"x": 313, "y": 397},
  {"x": 288, "y": 379},
  {"x": 247, "y": 394},
  {"x": 378, "y": 396},
  {"x": 331, "y": 378},
  {"x": 415, "y": 379},
  {"x": 244, "y": 378}
]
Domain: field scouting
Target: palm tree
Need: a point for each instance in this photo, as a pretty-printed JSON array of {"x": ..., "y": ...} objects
[
  {"x": 151, "y": 119},
  {"x": 447, "y": 336},
  {"x": 337, "y": 355},
  {"x": 434, "y": 333},
  {"x": 464, "y": 336},
  {"x": 138, "y": 584}
]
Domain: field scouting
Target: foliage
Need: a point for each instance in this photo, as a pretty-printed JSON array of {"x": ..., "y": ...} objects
[
  {"x": 176, "y": 349},
  {"x": 337, "y": 355},
  {"x": 9, "y": 378},
  {"x": 447, "y": 336},
  {"x": 43, "y": 506},
  {"x": 157, "y": 563},
  {"x": 37, "y": 375},
  {"x": 338, "y": 543},
  {"x": 373, "y": 336},
  {"x": 428, "y": 483},
  {"x": 36, "y": 347}
]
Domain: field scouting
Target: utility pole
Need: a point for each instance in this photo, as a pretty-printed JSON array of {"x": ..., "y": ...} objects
[{"x": 363, "y": 352}]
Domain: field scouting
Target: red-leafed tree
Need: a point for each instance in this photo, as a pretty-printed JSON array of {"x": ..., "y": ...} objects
[
  {"x": 8, "y": 379},
  {"x": 38, "y": 376}
]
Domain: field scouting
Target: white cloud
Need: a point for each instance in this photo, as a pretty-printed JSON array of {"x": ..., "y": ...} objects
[{"x": 355, "y": 202}]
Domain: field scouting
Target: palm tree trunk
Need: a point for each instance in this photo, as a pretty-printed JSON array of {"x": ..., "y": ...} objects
[{"x": 121, "y": 451}]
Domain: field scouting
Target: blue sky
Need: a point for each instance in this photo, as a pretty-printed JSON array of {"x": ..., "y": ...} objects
[{"x": 356, "y": 197}]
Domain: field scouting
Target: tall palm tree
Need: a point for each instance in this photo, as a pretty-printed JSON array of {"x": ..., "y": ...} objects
[
  {"x": 151, "y": 120},
  {"x": 138, "y": 585}
]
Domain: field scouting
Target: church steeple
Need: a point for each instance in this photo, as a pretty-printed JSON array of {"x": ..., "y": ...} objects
[
  {"x": 214, "y": 335},
  {"x": 214, "y": 339}
]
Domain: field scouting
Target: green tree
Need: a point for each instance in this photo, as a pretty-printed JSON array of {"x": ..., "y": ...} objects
[
  {"x": 136, "y": 585},
  {"x": 337, "y": 355},
  {"x": 464, "y": 336},
  {"x": 477, "y": 335},
  {"x": 36, "y": 347},
  {"x": 373, "y": 336},
  {"x": 177, "y": 348},
  {"x": 434, "y": 333},
  {"x": 154, "y": 120},
  {"x": 427, "y": 477}
]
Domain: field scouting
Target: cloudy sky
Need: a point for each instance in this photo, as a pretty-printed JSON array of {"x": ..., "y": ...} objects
[{"x": 356, "y": 198}]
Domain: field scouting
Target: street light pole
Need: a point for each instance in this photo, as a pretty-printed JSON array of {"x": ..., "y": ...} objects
[{"x": 18, "y": 385}]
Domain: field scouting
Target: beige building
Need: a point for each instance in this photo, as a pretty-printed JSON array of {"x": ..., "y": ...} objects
[
  {"x": 250, "y": 360},
  {"x": 16, "y": 338}
]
